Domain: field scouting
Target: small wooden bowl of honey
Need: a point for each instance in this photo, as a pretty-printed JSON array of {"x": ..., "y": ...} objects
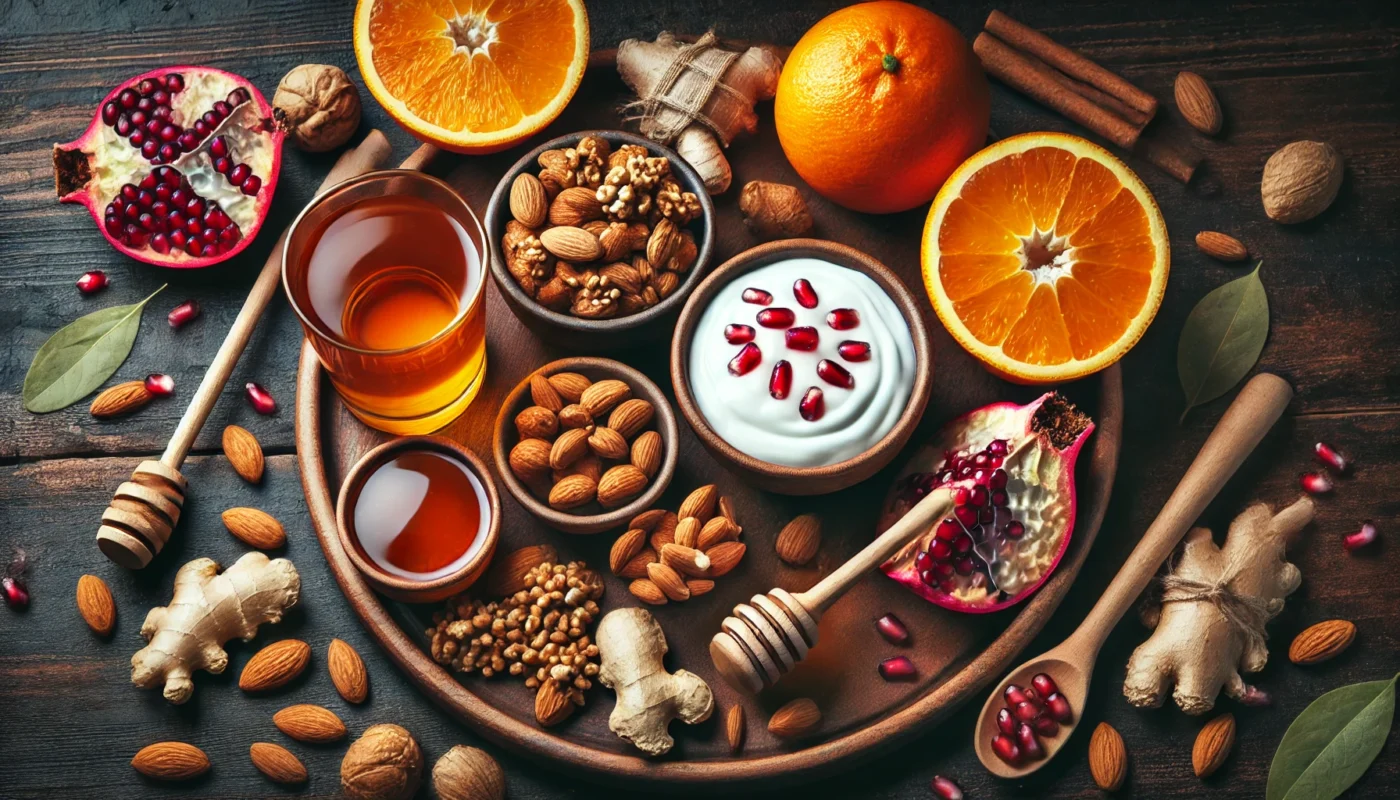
[{"x": 419, "y": 517}]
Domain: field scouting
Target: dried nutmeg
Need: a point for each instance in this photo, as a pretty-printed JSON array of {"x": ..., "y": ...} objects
[
  {"x": 1300, "y": 181},
  {"x": 318, "y": 106},
  {"x": 383, "y": 764},
  {"x": 774, "y": 210},
  {"x": 466, "y": 773}
]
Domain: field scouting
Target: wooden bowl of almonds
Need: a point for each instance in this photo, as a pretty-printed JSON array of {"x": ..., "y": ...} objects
[
  {"x": 598, "y": 237},
  {"x": 586, "y": 444}
]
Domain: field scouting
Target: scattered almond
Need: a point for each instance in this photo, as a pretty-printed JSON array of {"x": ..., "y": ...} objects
[
  {"x": 726, "y": 508},
  {"x": 688, "y": 532},
  {"x": 699, "y": 586},
  {"x": 686, "y": 560},
  {"x": 569, "y": 385},
  {"x": 665, "y": 532},
  {"x": 647, "y": 521},
  {"x": 572, "y": 492},
  {"x": 255, "y": 528},
  {"x": 544, "y": 394},
  {"x": 1300, "y": 181},
  {"x": 1213, "y": 745},
  {"x": 123, "y": 398},
  {"x": 277, "y": 763},
  {"x": 551, "y": 705},
  {"x": 626, "y": 548},
  {"x": 96, "y": 605},
  {"x": 799, "y": 540},
  {"x": 1197, "y": 103},
  {"x": 636, "y": 568},
  {"x": 699, "y": 504},
  {"x": 310, "y": 723},
  {"x": 509, "y": 573},
  {"x": 669, "y": 581},
  {"x": 1323, "y": 641},
  {"x": 275, "y": 665},
  {"x": 734, "y": 728},
  {"x": 600, "y": 397},
  {"x": 718, "y": 529},
  {"x": 799, "y": 717},
  {"x": 1221, "y": 246},
  {"x": 647, "y": 591},
  {"x": 528, "y": 202},
  {"x": 568, "y": 448},
  {"x": 536, "y": 422},
  {"x": 631, "y": 416},
  {"x": 724, "y": 557},
  {"x": 171, "y": 761},
  {"x": 1108, "y": 759},
  {"x": 529, "y": 459},
  {"x": 609, "y": 443},
  {"x": 244, "y": 453},
  {"x": 347, "y": 671},
  {"x": 646, "y": 453},
  {"x": 620, "y": 484}
]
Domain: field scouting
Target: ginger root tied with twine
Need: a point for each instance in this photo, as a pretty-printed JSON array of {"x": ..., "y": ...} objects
[
  {"x": 1211, "y": 610},
  {"x": 697, "y": 97},
  {"x": 206, "y": 611}
]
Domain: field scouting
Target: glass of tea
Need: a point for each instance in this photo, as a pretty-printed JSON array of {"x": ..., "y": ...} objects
[{"x": 386, "y": 273}]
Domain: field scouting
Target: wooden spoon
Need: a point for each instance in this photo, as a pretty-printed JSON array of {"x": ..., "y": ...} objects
[{"x": 1071, "y": 664}]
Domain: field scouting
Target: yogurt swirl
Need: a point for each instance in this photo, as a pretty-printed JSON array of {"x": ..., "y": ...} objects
[{"x": 741, "y": 409}]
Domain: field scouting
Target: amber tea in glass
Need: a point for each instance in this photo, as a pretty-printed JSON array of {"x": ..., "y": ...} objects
[{"x": 385, "y": 271}]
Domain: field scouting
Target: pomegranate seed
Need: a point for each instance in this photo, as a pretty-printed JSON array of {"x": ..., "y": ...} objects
[
  {"x": 178, "y": 238},
  {"x": 898, "y": 668},
  {"x": 155, "y": 126},
  {"x": 928, "y": 577},
  {"x": 923, "y": 560},
  {"x": 193, "y": 247},
  {"x": 238, "y": 96},
  {"x": 160, "y": 243},
  {"x": 229, "y": 235},
  {"x": 1014, "y": 694},
  {"x": 211, "y": 119},
  {"x": 1030, "y": 745},
  {"x": 1331, "y": 458},
  {"x": 16, "y": 594},
  {"x": 135, "y": 237},
  {"x": 1044, "y": 684},
  {"x": 137, "y": 138},
  {"x": 998, "y": 447},
  {"x": 835, "y": 374},
  {"x": 892, "y": 629},
  {"x": 967, "y": 515},
  {"x": 218, "y": 147},
  {"x": 964, "y": 565},
  {"x": 1254, "y": 696},
  {"x": 1014, "y": 529},
  {"x": 997, "y": 480},
  {"x": 979, "y": 496},
  {"x": 113, "y": 225},
  {"x": 94, "y": 281},
  {"x": 812, "y": 406},
  {"x": 948, "y": 530},
  {"x": 201, "y": 129},
  {"x": 139, "y": 118},
  {"x": 748, "y": 358},
  {"x": 261, "y": 400},
  {"x": 738, "y": 334},
  {"x": 843, "y": 319},
  {"x": 127, "y": 98},
  {"x": 180, "y": 315},
  {"x": 123, "y": 126},
  {"x": 160, "y": 97},
  {"x": 110, "y": 113},
  {"x": 776, "y": 317},
  {"x": 148, "y": 222},
  {"x": 174, "y": 82},
  {"x": 1361, "y": 538},
  {"x": 756, "y": 296},
  {"x": 188, "y": 140},
  {"x": 162, "y": 111},
  {"x": 1059, "y": 708},
  {"x": 1025, "y": 711},
  {"x": 780, "y": 383},
  {"x": 195, "y": 207},
  {"x": 160, "y": 385},
  {"x": 252, "y": 185},
  {"x": 216, "y": 218},
  {"x": 147, "y": 86},
  {"x": 169, "y": 133},
  {"x": 1315, "y": 483},
  {"x": 945, "y": 788},
  {"x": 169, "y": 152},
  {"x": 962, "y": 544},
  {"x": 1005, "y": 748},
  {"x": 222, "y": 108},
  {"x": 805, "y": 294},
  {"x": 1000, "y": 498},
  {"x": 961, "y": 495},
  {"x": 1005, "y": 722},
  {"x": 940, "y": 549},
  {"x": 853, "y": 350},
  {"x": 986, "y": 515},
  {"x": 223, "y": 165},
  {"x": 1045, "y": 726}
]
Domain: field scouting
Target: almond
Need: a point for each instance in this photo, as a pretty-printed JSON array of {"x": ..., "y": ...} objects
[
  {"x": 571, "y": 244},
  {"x": 663, "y": 242},
  {"x": 699, "y": 586},
  {"x": 637, "y": 567},
  {"x": 724, "y": 557},
  {"x": 686, "y": 560},
  {"x": 277, "y": 763},
  {"x": 1322, "y": 641},
  {"x": 552, "y": 706},
  {"x": 569, "y": 385},
  {"x": 568, "y": 448},
  {"x": 647, "y": 521},
  {"x": 529, "y": 459},
  {"x": 797, "y": 718},
  {"x": 528, "y": 202},
  {"x": 608, "y": 443},
  {"x": 1300, "y": 181},
  {"x": 687, "y": 532},
  {"x": 310, "y": 723},
  {"x": 574, "y": 416},
  {"x": 589, "y": 466},
  {"x": 726, "y": 509},
  {"x": 616, "y": 240},
  {"x": 665, "y": 532},
  {"x": 718, "y": 529},
  {"x": 572, "y": 492},
  {"x": 626, "y": 548},
  {"x": 347, "y": 671},
  {"x": 96, "y": 605},
  {"x": 799, "y": 540},
  {"x": 244, "y": 453},
  {"x": 256, "y": 528},
  {"x": 699, "y": 504},
  {"x": 542, "y": 392},
  {"x": 734, "y": 729},
  {"x": 1221, "y": 246},
  {"x": 1108, "y": 759},
  {"x": 1197, "y": 104},
  {"x": 275, "y": 666},
  {"x": 536, "y": 422},
  {"x": 123, "y": 398},
  {"x": 508, "y": 574},
  {"x": 575, "y": 206},
  {"x": 603, "y": 395},
  {"x": 669, "y": 581},
  {"x": 646, "y": 453},
  {"x": 648, "y": 592},
  {"x": 666, "y": 284},
  {"x": 1213, "y": 745},
  {"x": 631, "y": 416},
  {"x": 620, "y": 484},
  {"x": 170, "y": 761}
]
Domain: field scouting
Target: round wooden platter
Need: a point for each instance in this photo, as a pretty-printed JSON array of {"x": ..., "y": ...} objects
[{"x": 957, "y": 655}]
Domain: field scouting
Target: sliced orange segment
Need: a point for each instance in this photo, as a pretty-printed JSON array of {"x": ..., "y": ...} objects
[
  {"x": 472, "y": 76},
  {"x": 1045, "y": 257}
]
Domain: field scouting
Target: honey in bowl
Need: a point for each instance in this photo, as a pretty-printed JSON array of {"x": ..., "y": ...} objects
[{"x": 421, "y": 515}]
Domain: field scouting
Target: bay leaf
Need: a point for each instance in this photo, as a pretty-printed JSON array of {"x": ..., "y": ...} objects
[
  {"x": 1222, "y": 339},
  {"x": 81, "y": 356},
  {"x": 1333, "y": 742}
]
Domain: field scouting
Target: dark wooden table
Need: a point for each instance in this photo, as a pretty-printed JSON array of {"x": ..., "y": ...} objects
[{"x": 69, "y": 718}]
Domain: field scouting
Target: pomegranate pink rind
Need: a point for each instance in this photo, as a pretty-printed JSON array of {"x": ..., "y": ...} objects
[{"x": 1041, "y": 441}]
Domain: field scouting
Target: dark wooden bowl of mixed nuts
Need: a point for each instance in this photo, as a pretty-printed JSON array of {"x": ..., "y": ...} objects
[{"x": 598, "y": 237}]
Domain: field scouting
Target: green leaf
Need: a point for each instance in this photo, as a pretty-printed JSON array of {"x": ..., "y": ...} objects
[
  {"x": 1334, "y": 741},
  {"x": 81, "y": 356},
  {"x": 1223, "y": 338}
]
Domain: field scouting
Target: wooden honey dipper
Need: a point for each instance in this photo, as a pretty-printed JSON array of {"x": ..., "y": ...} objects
[{"x": 146, "y": 508}]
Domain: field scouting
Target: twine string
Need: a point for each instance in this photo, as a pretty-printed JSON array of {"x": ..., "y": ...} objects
[
  {"x": 674, "y": 104},
  {"x": 1246, "y": 613}
]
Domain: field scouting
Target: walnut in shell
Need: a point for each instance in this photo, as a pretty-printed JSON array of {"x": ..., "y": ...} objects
[{"x": 318, "y": 106}]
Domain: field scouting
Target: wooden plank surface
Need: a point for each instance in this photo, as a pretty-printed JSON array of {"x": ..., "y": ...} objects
[{"x": 1284, "y": 71}]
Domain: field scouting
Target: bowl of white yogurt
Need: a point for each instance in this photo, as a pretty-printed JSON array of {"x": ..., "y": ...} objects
[{"x": 802, "y": 365}]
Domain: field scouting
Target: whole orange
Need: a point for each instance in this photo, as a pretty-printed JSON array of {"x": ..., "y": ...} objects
[{"x": 878, "y": 104}]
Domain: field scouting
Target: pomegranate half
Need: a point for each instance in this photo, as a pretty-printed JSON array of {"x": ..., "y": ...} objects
[
  {"x": 1011, "y": 472},
  {"x": 178, "y": 166}
]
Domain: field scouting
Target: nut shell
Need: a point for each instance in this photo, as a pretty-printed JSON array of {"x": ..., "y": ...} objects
[
  {"x": 318, "y": 106},
  {"x": 1300, "y": 181},
  {"x": 774, "y": 210},
  {"x": 383, "y": 764},
  {"x": 466, "y": 773}
]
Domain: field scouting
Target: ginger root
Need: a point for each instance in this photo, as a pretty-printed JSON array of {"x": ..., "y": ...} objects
[
  {"x": 206, "y": 611},
  {"x": 1210, "y": 620},
  {"x": 632, "y": 645}
]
